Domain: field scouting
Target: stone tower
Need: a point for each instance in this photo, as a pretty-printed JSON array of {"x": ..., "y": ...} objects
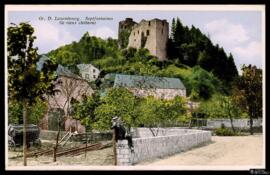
[
  {"x": 152, "y": 35},
  {"x": 124, "y": 30}
]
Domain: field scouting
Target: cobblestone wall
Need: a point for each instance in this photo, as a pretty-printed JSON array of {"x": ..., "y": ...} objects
[{"x": 168, "y": 142}]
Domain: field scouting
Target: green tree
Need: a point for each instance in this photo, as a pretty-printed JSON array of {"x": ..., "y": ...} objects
[
  {"x": 15, "y": 112},
  {"x": 231, "y": 110},
  {"x": 248, "y": 92},
  {"x": 123, "y": 38},
  {"x": 203, "y": 84},
  {"x": 117, "y": 101},
  {"x": 25, "y": 83},
  {"x": 155, "y": 113},
  {"x": 84, "y": 110},
  {"x": 36, "y": 111},
  {"x": 220, "y": 106},
  {"x": 172, "y": 29}
]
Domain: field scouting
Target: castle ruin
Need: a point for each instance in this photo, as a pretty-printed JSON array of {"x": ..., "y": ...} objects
[{"x": 152, "y": 35}]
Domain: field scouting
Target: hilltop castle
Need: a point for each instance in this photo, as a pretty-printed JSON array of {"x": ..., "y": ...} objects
[{"x": 152, "y": 35}]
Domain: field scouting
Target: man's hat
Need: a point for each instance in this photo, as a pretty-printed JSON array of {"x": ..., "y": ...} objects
[{"x": 114, "y": 118}]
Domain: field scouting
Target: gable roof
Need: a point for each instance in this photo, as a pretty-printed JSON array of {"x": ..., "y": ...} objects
[
  {"x": 82, "y": 67},
  {"x": 136, "y": 81},
  {"x": 64, "y": 71}
]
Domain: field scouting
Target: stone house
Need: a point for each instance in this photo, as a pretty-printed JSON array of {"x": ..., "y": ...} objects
[
  {"x": 68, "y": 86},
  {"x": 150, "y": 34},
  {"x": 88, "y": 72},
  {"x": 142, "y": 86}
]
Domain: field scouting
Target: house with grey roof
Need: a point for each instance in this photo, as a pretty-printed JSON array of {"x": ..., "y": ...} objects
[
  {"x": 159, "y": 87},
  {"x": 88, "y": 71}
]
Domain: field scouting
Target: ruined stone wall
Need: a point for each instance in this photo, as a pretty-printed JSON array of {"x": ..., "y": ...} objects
[
  {"x": 155, "y": 33},
  {"x": 124, "y": 30},
  {"x": 162, "y": 33}
]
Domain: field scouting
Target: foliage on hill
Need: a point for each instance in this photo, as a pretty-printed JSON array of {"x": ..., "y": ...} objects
[
  {"x": 187, "y": 48},
  {"x": 87, "y": 49},
  {"x": 191, "y": 47}
]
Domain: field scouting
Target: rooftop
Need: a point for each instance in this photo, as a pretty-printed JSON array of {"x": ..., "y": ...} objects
[{"x": 137, "y": 81}]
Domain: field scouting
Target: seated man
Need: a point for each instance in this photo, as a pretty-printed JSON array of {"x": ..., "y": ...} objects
[{"x": 121, "y": 133}]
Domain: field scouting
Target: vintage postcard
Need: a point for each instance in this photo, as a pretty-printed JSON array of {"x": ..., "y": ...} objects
[{"x": 135, "y": 87}]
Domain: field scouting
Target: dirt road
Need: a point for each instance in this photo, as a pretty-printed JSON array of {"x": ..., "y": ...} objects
[{"x": 237, "y": 150}]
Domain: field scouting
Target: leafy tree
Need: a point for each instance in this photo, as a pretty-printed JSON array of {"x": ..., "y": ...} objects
[
  {"x": 220, "y": 106},
  {"x": 123, "y": 38},
  {"x": 25, "y": 82},
  {"x": 15, "y": 112},
  {"x": 173, "y": 29},
  {"x": 178, "y": 36},
  {"x": 129, "y": 53},
  {"x": 36, "y": 111},
  {"x": 203, "y": 84},
  {"x": 84, "y": 110},
  {"x": 117, "y": 102},
  {"x": 248, "y": 92},
  {"x": 155, "y": 113}
]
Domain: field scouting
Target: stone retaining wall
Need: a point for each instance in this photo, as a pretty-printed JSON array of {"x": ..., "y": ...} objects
[{"x": 169, "y": 142}]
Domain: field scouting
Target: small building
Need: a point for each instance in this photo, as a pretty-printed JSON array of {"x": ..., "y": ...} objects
[
  {"x": 88, "y": 72},
  {"x": 142, "y": 86}
]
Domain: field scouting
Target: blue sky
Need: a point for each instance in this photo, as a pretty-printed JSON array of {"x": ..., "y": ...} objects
[{"x": 238, "y": 32}]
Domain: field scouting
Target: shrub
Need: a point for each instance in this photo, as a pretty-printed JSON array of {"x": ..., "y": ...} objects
[{"x": 224, "y": 131}]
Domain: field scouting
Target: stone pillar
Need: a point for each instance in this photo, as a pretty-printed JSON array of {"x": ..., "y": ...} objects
[{"x": 123, "y": 153}]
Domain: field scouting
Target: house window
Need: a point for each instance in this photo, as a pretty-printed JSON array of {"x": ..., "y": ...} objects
[
  {"x": 163, "y": 23},
  {"x": 94, "y": 76},
  {"x": 138, "y": 32},
  {"x": 87, "y": 76},
  {"x": 134, "y": 33},
  {"x": 134, "y": 39},
  {"x": 94, "y": 70},
  {"x": 147, "y": 33},
  {"x": 149, "y": 23}
]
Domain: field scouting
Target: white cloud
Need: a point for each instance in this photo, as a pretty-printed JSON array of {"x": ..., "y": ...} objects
[
  {"x": 50, "y": 37},
  {"x": 249, "y": 54},
  {"x": 235, "y": 38},
  {"x": 103, "y": 32},
  {"x": 226, "y": 33}
]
